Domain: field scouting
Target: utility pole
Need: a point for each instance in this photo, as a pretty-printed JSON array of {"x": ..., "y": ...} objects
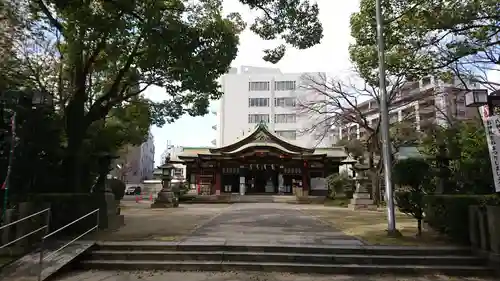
[{"x": 384, "y": 126}]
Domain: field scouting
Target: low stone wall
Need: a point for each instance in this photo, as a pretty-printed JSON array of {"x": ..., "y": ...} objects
[
  {"x": 484, "y": 231},
  {"x": 20, "y": 229}
]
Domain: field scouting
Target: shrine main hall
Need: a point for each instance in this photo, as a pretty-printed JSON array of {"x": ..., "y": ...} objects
[{"x": 261, "y": 163}]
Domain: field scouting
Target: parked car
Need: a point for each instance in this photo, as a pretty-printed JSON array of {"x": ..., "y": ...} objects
[{"x": 130, "y": 190}]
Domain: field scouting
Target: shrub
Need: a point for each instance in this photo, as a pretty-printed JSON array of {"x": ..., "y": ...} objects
[
  {"x": 339, "y": 183},
  {"x": 410, "y": 173},
  {"x": 117, "y": 187},
  {"x": 449, "y": 214}
]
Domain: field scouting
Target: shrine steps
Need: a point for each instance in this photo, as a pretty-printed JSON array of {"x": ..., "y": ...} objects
[{"x": 278, "y": 258}]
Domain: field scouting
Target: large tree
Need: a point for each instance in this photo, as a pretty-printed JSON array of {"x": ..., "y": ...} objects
[
  {"x": 96, "y": 55},
  {"x": 445, "y": 38},
  {"x": 344, "y": 104}
]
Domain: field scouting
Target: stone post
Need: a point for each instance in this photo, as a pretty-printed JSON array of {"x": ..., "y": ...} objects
[
  {"x": 166, "y": 197},
  {"x": 361, "y": 198},
  {"x": 6, "y": 232},
  {"x": 493, "y": 216}
]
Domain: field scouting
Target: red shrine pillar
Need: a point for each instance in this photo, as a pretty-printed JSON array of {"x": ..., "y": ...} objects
[
  {"x": 305, "y": 178},
  {"x": 198, "y": 183}
]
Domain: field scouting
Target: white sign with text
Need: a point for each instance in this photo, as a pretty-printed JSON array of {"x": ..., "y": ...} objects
[{"x": 492, "y": 128}]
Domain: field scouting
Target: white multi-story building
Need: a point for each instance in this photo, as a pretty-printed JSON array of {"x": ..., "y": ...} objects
[
  {"x": 253, "y": 95},
  {"x": 424, "y": 102}
]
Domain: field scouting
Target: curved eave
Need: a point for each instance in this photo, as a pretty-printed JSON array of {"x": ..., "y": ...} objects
[
  {"x": 262, "y": 145},
  {"x": 235, "y": 145},
  {"x": 186, "y": 158}
]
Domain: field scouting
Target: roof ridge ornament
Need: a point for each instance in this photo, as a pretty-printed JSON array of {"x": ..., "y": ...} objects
[{"x": 262, "y": 124}]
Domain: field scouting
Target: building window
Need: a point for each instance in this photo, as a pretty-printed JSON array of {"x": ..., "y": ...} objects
[
  {"x": 426, "y": 81},
  {"x": 289, "y": 134},
  {"x": 285, "y": 118},
  {"x": 284, "y": 85},
  {"x": 257, "y": 118},
  {"x": 284, "y": 102},
  {"x": 258, "y": 102},
  {"x": 178, "y": 172},
  {"x": 258, "y": 86}
]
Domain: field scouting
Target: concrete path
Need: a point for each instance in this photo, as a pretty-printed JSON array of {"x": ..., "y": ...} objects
[
  {"x": 268, "y": 223},
  {"x": 145, "y": 224},
  {"x": 241, "y": 276}
]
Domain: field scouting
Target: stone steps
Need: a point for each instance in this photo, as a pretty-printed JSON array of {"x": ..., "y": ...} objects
[
  {"x": 286, "y": 267},
  {"x": 338, "y": 260},
  {"x": 286, "y": 258}
]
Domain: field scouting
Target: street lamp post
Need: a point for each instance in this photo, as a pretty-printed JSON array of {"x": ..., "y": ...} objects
[
  {"x": 384, "y": 126},
  {"x": 480, "y": 97}
]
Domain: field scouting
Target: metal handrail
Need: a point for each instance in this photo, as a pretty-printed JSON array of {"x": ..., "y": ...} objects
[
  {"x": 24, "y": 236},
  {"x": 42, "y": 247},
  {"x": 70, "y": 224},
  {"x": 25, "y": 218}
]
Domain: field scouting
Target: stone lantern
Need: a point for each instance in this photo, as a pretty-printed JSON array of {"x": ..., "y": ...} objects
[
  {"x": 361, "y": 198},
  {"x": 167, "y": 197}
]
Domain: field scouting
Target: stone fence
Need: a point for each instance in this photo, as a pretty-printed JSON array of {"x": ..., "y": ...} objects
[{"x": 484, "y": 231}]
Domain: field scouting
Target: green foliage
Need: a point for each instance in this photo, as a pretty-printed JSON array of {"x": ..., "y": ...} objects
[
  {"x": 427, "y": 37},
  {"x": 404, "y": 133},
  {"x": 411, "y": 176},
  {"x": 339, "y": 184},
  {"x": 411, "y": 172},
  {"x": 104, "y": 54},
  {"x": 356, "y": 148},
  {"x": 465, "y": 145},
  {"x": 449, "y": 214},
  {"x": 37, "y": 151},
  {"x": 117, "y": 187}
]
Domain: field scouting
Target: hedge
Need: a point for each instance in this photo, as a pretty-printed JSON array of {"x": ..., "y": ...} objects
[{"x": 449, "y": 214}]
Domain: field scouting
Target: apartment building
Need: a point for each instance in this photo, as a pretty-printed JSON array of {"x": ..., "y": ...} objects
[
  {"x": 136, "y": 163},
  {"x": 253, "y": 95},
  {"x": 424, "y": 102}
]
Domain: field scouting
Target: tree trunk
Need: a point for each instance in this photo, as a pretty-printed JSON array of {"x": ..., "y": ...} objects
[
  {"x": 76, "y": 125},
  {"x": 419, "y": 227},
  {"x": 73, "y": 162}
]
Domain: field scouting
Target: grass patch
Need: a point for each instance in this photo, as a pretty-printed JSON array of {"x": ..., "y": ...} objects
[{"x": 371, "y": 226}]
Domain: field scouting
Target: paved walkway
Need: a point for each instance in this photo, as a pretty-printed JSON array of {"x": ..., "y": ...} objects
[
  {"x": 241, "y": 276},
  {"x": 143, "y": 223},
  {"x": 268, "y": 223}
]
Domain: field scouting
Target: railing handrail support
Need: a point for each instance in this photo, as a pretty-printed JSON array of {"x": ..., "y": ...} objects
[
  {"x": 70, "y": 224},
  {"x": 25, "y": 218},
  {"x": 42, "y": 244}
]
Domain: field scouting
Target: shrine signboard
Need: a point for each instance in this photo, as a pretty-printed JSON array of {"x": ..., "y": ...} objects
[{"x": 492, "y": 128}]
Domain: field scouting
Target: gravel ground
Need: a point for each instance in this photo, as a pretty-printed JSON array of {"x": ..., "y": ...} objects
[{"x": 239, "y": 276}]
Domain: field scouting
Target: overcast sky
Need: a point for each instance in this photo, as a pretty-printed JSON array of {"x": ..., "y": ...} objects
[{"x": 330, "y": 56}]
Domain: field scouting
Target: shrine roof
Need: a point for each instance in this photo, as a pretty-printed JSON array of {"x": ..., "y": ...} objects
[
  {"x": 262, "y": 134},
  {"x": 262, "y": 137}
]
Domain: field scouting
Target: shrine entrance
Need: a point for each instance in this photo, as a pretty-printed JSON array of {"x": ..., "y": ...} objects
[
  {"x": 261, "y": 163},
  {"x": 262, "y": 181}
]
